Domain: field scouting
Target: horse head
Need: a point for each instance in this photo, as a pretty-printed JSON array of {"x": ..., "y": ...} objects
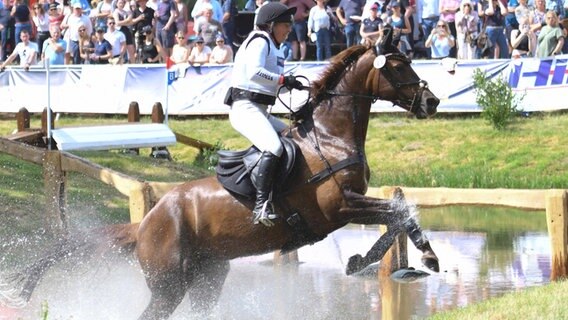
[
  {"x": 395, "y": 80},
  {"x": 371, "y": 73}
]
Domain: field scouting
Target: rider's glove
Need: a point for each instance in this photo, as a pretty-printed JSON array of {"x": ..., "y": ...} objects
[{"x": 290, "y": 82}]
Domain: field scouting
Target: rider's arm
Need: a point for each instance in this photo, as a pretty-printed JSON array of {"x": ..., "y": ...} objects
[{"x": 258, "y": 49}]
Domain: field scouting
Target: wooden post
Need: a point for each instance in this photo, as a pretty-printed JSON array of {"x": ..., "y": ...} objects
[
  {"x": 134, "y": 116},
  {"x": 133, "y": 112},
  {"x": 158, "y": 113},
  {"x": 159, "y": 117},
  {"x": 557, "y": 221},
  {"x": 23, "y": 119},
  {"x": 393, "y": 295},
  {"x": 54, "y": 182},
  {"x": 397, "y": 256},
  {"x": 140, "y": 202},
  {"x": 287, "y": 258}
]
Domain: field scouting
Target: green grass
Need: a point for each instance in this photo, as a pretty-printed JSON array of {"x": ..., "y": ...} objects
[
  {"x": 543, "y": 303},
  {"x": 458, "y": 152}
]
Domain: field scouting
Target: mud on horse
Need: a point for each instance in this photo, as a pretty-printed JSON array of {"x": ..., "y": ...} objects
[{"x": 184, "y": 244}]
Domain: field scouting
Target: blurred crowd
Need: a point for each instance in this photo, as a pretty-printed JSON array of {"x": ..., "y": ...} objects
[{"x": 152, "y": 31}]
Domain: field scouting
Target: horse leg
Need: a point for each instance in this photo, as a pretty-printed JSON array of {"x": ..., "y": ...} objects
[
  {"x": 207, "y": 283},
  {"x": 162, "y": 254},
  {"x": 368, "y": 210},
  {"x": 357, "y": 262},
  {"x": 168, "y": 290},
  {"x": 414, "y": 232}
]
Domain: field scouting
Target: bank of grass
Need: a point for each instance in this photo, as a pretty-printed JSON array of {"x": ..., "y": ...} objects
[
  {"x": 544, "y": 303},
  {"x": 459, "y": 152}
]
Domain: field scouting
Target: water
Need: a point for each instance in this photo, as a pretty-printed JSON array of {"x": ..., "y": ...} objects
[{"x": 511, "y": 254}]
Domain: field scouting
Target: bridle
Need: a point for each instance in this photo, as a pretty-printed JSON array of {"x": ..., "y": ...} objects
[
  {"x": 415, "y": 100},
  {"x": 387, "y": 72}
]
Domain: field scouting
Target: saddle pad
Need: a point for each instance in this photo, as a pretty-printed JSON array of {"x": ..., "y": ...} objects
[{"x": 234, "y": 168}]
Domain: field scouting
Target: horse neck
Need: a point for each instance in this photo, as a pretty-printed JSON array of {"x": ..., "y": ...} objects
[{"x": 346, "y": 117}]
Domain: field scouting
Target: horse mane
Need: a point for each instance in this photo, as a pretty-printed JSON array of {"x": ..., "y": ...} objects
[{"x": 332, "y": 74}]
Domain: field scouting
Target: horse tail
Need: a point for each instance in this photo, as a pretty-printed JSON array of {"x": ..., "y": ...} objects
[{"x": 17, "y": 288}]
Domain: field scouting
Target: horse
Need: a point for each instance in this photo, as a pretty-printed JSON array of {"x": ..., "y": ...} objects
[{"x": 185, "y": 242}]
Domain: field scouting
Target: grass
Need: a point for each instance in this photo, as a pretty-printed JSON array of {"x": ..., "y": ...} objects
[
  {"x": 450, "y": 152},
  {"x": 545, "y": 303}
]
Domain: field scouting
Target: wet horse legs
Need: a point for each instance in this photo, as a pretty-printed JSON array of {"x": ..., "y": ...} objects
[{"x": 399, "y": 219}]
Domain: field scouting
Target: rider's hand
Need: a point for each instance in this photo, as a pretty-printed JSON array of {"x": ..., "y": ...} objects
[{"x": 290, "y": 83}]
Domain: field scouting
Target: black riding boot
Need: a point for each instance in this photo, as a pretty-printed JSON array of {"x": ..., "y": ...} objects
[{"x": 263, "y": 211}]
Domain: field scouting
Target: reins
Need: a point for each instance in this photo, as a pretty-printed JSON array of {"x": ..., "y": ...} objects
[{"x": 414, "y": 103}]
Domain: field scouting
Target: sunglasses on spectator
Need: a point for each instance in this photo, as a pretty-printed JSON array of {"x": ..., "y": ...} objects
[
  {"x": 81, "y": 30},
  {"x": 36, "y": 7},
  {"x": 110, "y": 23},
  {"x": 441, "y": 26},
  {"x": 181, "y": 38},
  {"x": 220, "y": 41}
]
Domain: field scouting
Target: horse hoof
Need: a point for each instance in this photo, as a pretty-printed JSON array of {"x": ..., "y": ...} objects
[
  {"x": 430, "y": 260},
  {"x": 354, "y": 264}
]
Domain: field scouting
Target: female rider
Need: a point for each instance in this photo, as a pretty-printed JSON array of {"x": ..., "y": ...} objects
[{"x": 257, "y": 75}]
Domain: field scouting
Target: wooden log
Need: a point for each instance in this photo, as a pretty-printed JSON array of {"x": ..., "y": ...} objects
[
  {"x": 140, "y": 202},
  {"x": 23, "y": 119},
  {"x": 22, "y": 151},
  {"x": 159, "y": 189},
  {"x": 192, "y": 142},
  {"x": 122, "y": 182},
  {"x": 557, "y": 221},
  {"x": 532, "y": 199},
  {"x": 30, "y": 137},
  {"x": 54, "y": 182}
]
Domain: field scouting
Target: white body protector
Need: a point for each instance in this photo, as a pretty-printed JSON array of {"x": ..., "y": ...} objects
[{"x": 257, "y": 68}]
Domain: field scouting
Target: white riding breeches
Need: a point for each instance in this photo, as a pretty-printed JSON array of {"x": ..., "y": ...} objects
[{"x": 254, "y": 122}]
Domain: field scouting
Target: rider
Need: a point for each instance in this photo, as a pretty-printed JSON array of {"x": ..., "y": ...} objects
[{"x": 257, "y": 76}]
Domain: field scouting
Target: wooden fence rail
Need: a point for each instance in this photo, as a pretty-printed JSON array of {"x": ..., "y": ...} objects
[{"x": 553, "y": 201}]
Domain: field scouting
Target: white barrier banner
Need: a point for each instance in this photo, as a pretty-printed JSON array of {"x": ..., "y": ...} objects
[{"x": 201, "y": 89}]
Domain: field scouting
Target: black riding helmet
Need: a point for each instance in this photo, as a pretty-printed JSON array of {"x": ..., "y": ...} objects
[{"x": 275, "y": 12}]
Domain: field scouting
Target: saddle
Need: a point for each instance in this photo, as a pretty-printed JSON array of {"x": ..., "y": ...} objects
[{"x": 237, "y": 170}]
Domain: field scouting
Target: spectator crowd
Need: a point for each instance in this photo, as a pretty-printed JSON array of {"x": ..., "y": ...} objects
[{"x": 151, "y": 31}]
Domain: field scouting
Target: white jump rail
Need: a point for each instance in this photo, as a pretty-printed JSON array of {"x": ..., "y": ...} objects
[{"x": 126, "y": 136}]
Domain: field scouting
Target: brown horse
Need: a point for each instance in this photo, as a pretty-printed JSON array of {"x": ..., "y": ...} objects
[{"x": 186, "y": 241}]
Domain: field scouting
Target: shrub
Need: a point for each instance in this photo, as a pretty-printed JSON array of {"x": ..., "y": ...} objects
[
  {"x": 496, "y": 98},
  {"x": 208, "y": 157}
]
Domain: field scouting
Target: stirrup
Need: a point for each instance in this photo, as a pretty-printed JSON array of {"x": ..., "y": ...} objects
[{"x": 264, "y": 216}]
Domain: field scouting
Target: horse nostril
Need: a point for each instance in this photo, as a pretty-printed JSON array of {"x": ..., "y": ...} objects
[{"x": 432, "y": 103}]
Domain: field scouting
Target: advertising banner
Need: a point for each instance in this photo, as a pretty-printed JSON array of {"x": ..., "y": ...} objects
[{"x": 199, "y": 90}]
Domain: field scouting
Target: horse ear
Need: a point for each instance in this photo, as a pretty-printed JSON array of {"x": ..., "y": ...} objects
[{"x": 386, "y": 42}]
